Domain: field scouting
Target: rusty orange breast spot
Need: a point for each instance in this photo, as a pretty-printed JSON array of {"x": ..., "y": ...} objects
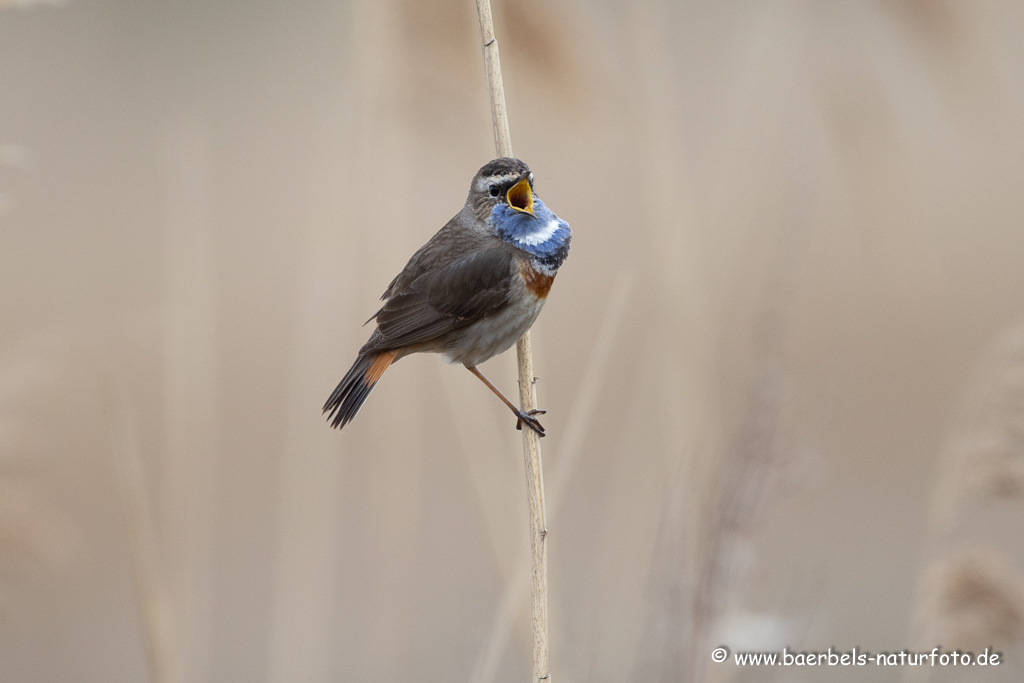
[{"x": 536, "y": 282}]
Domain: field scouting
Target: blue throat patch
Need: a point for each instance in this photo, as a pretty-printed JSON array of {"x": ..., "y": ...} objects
[{"x": 546, "y": 237}]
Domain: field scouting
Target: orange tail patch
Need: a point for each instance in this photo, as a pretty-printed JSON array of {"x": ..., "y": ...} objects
[{"x": 378, "y": 366}]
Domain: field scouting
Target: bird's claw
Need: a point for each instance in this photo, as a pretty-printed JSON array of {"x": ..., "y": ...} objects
[{"x": 532, "y": 422}]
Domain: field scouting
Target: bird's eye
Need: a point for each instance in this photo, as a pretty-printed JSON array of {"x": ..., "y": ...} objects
[{"x": 494, "y": 190}]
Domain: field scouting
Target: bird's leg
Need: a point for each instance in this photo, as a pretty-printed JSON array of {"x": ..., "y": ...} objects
[{"x": 528, "y": 418}]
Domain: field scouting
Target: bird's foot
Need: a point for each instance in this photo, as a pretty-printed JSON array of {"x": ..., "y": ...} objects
[{"x": 532, "y": 422}]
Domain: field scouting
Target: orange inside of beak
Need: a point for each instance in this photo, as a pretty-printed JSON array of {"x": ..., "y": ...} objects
[{"x": 520, "y": 196}]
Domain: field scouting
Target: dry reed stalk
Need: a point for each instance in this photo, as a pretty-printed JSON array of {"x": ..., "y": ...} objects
[
  {"x": 986, "y": 462},
  {"x": 741, "y": 479},
  {"x": 188, "y": 480},
  {"x": 970, "y": 594},
  {"x": 307, "y": 562},
  {"x": 667, "y": 632},
  {"x": 977, "y": 601},
  {"x": 527, "y": 389},
  {"x": 969, "y": 601},
  {"x": 156, "y": 611},
  {"x": 737, "y": 493},
  {"x": 569, "y": 446}
]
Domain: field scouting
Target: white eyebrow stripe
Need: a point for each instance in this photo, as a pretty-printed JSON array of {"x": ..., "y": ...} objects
[
  {"x": 483, "y": 183},
  {"x": 540, "y": 236}
]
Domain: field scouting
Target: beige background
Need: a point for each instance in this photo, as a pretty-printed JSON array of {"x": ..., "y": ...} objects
[{"x": 784, "y": 364}]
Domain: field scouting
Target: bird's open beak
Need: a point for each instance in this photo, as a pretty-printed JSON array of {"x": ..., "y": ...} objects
[{"x": 520, "y": 196}]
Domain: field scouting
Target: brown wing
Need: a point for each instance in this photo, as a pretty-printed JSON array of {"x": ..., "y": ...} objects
[
  {"x": 444, "y": 298},
  {"x": 452, "y": 242}
]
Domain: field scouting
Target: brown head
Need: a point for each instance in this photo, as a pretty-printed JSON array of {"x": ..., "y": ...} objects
[{"x": 503, "y": 180}]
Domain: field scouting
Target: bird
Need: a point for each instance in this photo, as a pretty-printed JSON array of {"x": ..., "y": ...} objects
[{"x": 470, "y": 292}]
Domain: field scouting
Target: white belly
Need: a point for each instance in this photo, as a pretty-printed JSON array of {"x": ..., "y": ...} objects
[{"x": 489, "y": 337}]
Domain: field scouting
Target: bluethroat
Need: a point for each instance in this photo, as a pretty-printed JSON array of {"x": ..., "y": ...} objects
[{"x": 470, "y": 292}]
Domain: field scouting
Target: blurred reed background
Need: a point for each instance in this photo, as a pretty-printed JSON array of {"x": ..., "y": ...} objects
[{"x": 783, "y": 365}]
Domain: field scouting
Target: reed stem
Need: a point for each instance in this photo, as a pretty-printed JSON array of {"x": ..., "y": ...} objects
[{"x": 527, "y": 388}]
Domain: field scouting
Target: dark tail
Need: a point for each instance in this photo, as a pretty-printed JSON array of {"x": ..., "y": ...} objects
[{"x": 348, "y": 398}]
